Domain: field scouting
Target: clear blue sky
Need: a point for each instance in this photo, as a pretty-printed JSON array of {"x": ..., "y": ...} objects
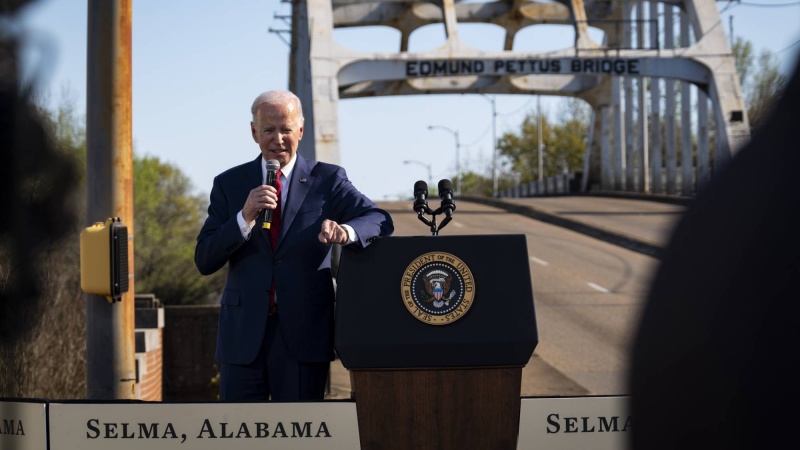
[{"x": 198, "y": 64}]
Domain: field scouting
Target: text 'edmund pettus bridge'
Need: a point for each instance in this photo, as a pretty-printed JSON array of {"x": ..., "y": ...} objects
[{"x": 446, "y": 67}]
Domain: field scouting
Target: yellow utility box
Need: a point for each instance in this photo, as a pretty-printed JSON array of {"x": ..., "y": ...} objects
[{"x": 104, "y": 259}]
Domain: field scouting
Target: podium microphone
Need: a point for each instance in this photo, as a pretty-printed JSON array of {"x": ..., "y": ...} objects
[
  {"x": 273, "y": 166},
  {"x": 420, "y": 197},
  {"x": 446, "y": 193}
]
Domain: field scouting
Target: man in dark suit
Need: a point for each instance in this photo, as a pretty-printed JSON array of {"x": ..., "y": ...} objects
[{"x": 275, "y": 337}]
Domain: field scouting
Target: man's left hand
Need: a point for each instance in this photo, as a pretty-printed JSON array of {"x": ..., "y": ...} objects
[{"x": 332, "y": 233}]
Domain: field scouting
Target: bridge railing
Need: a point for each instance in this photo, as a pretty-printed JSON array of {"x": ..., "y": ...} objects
[{"x": 563, "y": 184}]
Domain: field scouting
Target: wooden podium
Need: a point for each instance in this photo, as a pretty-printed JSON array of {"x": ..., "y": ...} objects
[{"x": 435, "y": 331}]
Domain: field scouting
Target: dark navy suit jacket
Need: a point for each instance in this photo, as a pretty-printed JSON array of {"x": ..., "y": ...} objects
[{"x": 300, "y": 265}]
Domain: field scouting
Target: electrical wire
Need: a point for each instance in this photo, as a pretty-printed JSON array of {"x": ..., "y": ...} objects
[
  {"x": 770, "y": 5},
  {"x": 478, "y": 139},
  {"x": 525, "y": 105},
  {"x": 787, "y": 48}
]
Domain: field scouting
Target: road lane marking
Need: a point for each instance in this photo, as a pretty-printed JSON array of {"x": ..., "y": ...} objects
[
  {"x": 539, "y": 261},
  {"x": 458, "y": 224},
  {"x": 598, "y": 288}
]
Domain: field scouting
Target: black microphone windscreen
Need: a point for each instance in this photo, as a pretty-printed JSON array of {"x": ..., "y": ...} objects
[
  {"x": 445, "y": 185},
  {"x": 420, "y": 186},
  {"x": 446, "y": 194}
]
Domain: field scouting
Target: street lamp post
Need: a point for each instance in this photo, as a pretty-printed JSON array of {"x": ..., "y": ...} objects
[
  {"x": 428, "y": 166},
  {"x": 458, "y": 159},
  {"x": 494, "y": 144},
  {"x": 539, "y": 138}
]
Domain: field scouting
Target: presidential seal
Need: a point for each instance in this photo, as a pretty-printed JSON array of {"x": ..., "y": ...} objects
[{"x": 437, "y": 288}]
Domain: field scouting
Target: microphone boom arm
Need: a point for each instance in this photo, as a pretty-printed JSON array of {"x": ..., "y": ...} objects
[{"x": 426, "y": 221}]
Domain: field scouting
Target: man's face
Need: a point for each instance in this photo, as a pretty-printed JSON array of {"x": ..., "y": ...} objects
[{"x": 277, "y": 130}]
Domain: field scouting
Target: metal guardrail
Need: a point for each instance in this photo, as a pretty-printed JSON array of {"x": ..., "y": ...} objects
[{"x": 568, "y": 183}]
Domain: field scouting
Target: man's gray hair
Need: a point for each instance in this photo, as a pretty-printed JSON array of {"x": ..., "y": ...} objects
[{"x": 278, "y": 98}]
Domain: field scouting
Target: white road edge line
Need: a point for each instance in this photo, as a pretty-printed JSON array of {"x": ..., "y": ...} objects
[
  {"x": 539, "y": 261},
  {"x": 598, "y": 288}
]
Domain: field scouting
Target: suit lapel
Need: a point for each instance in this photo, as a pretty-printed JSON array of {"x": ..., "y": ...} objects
[{"x": 299, "y": 186}]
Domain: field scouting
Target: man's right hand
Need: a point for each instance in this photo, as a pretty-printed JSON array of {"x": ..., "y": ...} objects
[{"x": 260, "y": 198}]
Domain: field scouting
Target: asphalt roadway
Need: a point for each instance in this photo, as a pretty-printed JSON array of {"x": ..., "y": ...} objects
[{"x": 637, "y": 223}]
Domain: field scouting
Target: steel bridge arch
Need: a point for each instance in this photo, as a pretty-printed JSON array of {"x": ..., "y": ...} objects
[{"x": 322, "y": 73}]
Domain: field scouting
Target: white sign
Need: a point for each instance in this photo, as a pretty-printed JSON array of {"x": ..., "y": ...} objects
[
  {"x": 574, "y": 423},
  {"x": 23, "y": 426},
  {"x": 324, "y": 425}
]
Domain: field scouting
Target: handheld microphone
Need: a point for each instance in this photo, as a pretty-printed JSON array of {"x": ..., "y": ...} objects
[
  {"x": 446, "y": 193},
  {"x": 420, "y": 197},
  {"x": 273, "y": 166}
]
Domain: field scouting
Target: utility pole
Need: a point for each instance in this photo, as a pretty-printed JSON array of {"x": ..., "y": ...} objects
[
  {"x": 539, "y": 137},
  {"x": 730, "y": 25},
  {"x": 110, "y": 350}
]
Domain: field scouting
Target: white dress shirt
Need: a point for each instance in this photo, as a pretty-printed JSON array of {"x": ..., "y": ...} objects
[{"x": 286, "y": 172}]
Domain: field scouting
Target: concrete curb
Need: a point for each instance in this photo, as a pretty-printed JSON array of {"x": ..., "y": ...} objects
[
  {"x": 660, "y": 198},
  {"x": 595, "y": 231}
]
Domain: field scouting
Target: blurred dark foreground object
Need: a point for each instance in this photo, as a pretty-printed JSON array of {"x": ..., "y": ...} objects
[
  {"x": 716, "y": 355},
  {"x": 37, "y": 182}
]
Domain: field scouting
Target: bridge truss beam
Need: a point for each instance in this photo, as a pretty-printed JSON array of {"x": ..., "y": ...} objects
[{"x": 628, "y": 150}]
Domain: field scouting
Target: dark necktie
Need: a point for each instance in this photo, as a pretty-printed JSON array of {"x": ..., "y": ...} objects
[{"x": 274, "y": 230}]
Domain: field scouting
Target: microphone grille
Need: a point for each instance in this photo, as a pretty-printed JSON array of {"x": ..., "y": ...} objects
[
  {"x": 420, "y": 186},
  {"x": 273, "y": 165},
  {"x": 445, "y": 185}
]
